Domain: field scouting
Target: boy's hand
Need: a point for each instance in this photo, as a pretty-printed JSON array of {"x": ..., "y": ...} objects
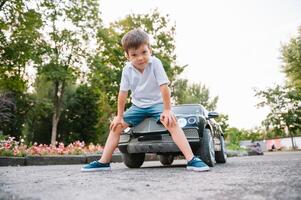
[
  {"x": 168, "y": 118},
  {"x": 117, "y": 121}
]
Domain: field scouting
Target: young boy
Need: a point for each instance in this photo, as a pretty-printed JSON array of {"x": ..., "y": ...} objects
[{"x": 144, "y": 75}]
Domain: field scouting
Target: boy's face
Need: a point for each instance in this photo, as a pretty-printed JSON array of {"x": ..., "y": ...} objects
[{"x": 139, "y": 57}]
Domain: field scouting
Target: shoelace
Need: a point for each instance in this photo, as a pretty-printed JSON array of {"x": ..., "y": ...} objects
[{"x": 93, "y": 163}]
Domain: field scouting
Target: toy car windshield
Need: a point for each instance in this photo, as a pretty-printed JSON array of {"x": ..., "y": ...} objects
[{"x": 189, "y": 109}]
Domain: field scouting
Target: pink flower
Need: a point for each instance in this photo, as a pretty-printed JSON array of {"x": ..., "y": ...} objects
[
  {"x": 20, "y": 149},
  {"x": 7, "y": 145}
]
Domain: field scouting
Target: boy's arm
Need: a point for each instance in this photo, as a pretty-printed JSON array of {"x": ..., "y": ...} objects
[
  {"x": 167, "y": 116},
  {"x": 118, "y": 120},
  {"x": 122, "y": 96}
]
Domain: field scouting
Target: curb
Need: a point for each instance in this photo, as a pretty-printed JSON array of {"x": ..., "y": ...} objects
[
  {"x": 80, "y": 159},
  {"x": 12, "y": 161},
  {"x": 62, "y": 160},
  {"x": 54, "y": 160}
]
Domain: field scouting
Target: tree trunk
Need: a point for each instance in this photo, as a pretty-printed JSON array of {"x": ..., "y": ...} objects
[
  {"x": 288, "y": 132},
  {"x": 57, "y": 103},
  {"x": 55, "y": 121},
  {"x": 293, "y": 143}
]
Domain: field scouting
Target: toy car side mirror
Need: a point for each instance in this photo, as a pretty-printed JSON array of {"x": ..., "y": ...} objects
[{"x": 212, "y": 115}]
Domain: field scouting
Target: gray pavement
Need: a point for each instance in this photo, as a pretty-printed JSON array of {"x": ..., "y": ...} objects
[{"x": 275, "y": 175}]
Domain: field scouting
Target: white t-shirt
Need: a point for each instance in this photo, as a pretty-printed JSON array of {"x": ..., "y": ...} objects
[{"x": 145, "y": 87}]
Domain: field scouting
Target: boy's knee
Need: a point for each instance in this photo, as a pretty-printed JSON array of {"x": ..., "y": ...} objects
[
  {"x": 118, "y": 130},
  {"x": 172, "y": 128}
]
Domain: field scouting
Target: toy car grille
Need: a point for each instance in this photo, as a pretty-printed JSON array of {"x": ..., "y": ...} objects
[
  {"x": 191, "y": 133},
  {"x": 149, "y": 125}
]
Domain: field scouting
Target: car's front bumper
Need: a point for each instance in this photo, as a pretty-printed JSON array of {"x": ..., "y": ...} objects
[{"x": 161, "y": 143}]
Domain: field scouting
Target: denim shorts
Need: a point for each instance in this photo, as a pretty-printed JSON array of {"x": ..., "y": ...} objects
[{"x": 135, "y": 115}]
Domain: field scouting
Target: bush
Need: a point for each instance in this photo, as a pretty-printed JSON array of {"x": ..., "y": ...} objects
[{"x": 235, "y": 147}]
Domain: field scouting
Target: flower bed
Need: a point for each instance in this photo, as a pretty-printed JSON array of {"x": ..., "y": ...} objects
[
  {"x": 14, "y": 153},
  {"x": 12, "y": 148}
]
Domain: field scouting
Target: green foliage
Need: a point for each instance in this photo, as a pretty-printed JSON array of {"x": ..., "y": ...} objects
[
  {"x": 37, "y": 126},
  {"x": 184, "y": 93},
  {"x": 19, "y": 44},
  {"x": 233, "y": 135},
  {"x": 14, "y": 109},
  {"x": 291, "y": 57},
  {"x": 81, "y": 117},
  {"x": 223, "y": 121},
  {"x": 79, "y": 120},
  {"x": 284, "y": 103},
  {"x": 235, "y": 147},
  {"x": 274, "y": 133},
  {"x": 38, "y": 121},
  {"x": 105, "y": 115},
  {"x": 253, "y": 134},
  {"x": 19, "y": 49},
  {"x": 66, "y": 47},
  {"x": 7, "y": 108}
]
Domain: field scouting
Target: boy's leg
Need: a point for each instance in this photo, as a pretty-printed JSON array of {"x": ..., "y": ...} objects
[
  {"x": 133, "y": 116},
  {"x": 180, "y": 139},
  {"x": 111, "y": 144},
  {"x": 176, "y": 131}
]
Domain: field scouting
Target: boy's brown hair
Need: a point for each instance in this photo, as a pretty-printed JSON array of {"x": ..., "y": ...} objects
[{"x": 134, "y": 39}]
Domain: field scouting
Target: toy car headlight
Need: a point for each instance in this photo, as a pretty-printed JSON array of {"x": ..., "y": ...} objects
[
  {"x": 182, "y": 122},
  {"x": 191, "y": 120}
]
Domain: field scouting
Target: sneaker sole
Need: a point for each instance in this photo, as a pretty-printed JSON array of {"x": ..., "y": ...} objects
[
  {"x": 96, "y": 169},
  {"x": 198, "y": 169}
]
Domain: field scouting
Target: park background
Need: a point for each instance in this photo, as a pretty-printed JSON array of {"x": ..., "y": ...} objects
[{"x": 61, "y": 64}]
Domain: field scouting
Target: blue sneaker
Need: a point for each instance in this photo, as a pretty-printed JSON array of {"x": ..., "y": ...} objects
[
  {"x": 197, "y": 164},
  {"x": 95, "y": 166}
]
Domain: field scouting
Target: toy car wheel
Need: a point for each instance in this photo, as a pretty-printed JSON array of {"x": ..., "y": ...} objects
[
  {"x": 166, "y": 159},
  {"x": 207, "y": 148},
  {"x": 133, "y": 160},
  {"x": 221, "y": 156}
]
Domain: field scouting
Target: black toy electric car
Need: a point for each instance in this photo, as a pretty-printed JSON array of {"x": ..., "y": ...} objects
[{"x": 203, "y": 133}]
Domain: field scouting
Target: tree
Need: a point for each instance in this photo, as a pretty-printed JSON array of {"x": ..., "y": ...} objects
[
  {"x": 183, "y": 92},
  {"x": 285, "y": 101},
  {"x": 291, "y": 57},
  {"x": 233, "y": 135},
  {"x": 285, "y": 110},
  {"x": 81, "y": 116},
  {"x": 19, "y": 38},
  {"x": 68, "y": 30},
  {"x": 19, "y": 50},
  {"x": 37, "y": 125}
]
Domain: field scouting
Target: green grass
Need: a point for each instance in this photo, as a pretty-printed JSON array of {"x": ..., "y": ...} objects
[{"x": 235, "y": 147}]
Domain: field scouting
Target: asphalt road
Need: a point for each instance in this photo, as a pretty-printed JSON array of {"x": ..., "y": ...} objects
[{"x": 275, "y": 175}]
